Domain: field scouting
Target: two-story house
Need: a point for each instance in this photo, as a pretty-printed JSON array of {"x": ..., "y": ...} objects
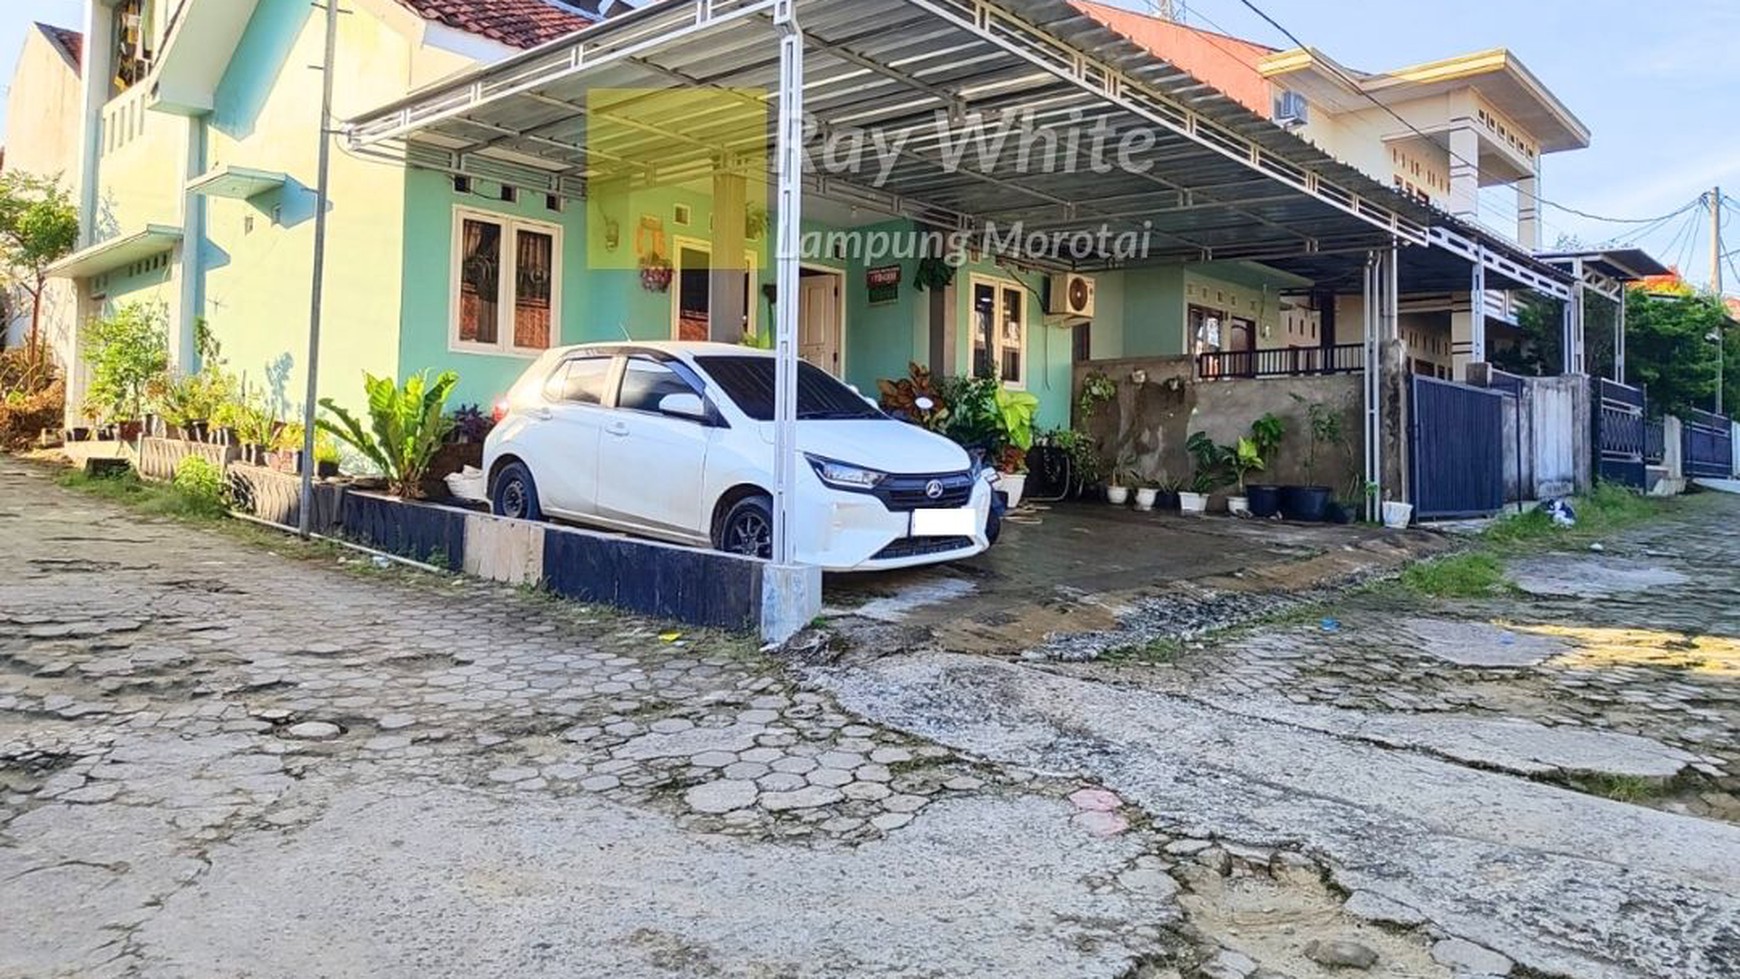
[{"x": 1442, "y": 132}]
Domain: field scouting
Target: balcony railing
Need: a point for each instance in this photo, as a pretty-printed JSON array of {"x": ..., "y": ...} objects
[{"x": 1346, "y": 358}]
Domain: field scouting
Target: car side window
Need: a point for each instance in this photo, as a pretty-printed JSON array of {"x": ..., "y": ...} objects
[
  {"x": 579, "y": 381},
  {"x": 647, "y": 382}
]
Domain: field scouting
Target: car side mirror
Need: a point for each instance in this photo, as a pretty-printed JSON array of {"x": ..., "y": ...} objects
[{"x": 684, "y": 405}]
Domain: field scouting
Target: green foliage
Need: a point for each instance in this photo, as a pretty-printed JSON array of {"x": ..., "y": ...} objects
[
  {"x": 157, "y": 499},
  {"x": 1096, "y": 389},
  {"x": 1325, "y": 427},
  {"x": 973, "y": 416},
  {"x": 39, "y": 225},
  {"x": 127, "y": 350},
  {"x": 1268, "y": 432},
  {"x": 934, "y": 273},
  {"x": 1609, "y": 507},
  {"x": 1245, "y": 458},
  {"x": 1015, "y": 413},
  {"x": 1474, "y": 574},
  {"x": 201, "y": 485},
  {"x": 1212, "y": 462},
  {"x": 407, "y": 425}
]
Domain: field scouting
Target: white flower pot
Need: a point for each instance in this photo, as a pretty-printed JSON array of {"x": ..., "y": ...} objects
[
  {"x": 1397, "y": 516},
  {"x": 1012, "y": 485},
  {"x": 1117, "y": 495},
  {"x": 1193, "y": 502},
  {"x": 1238, "y": 506},
  {"x": 1145, "y": 498}
]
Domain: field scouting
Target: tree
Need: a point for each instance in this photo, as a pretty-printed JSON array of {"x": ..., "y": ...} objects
[
  {"x": 39, "y": 225},
  {"x": 128, "y": 351},
  {"x": 1668, "y": 349}
]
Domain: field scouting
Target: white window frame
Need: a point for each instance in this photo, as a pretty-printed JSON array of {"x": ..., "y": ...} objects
[
  {"x": 510, "y": 226},
  {"x": 1001, "y": 285},
  {"x": 751, "y": 301}
]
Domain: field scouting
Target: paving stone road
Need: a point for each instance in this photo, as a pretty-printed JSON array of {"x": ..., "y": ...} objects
[{"x": 217, "y": 760}]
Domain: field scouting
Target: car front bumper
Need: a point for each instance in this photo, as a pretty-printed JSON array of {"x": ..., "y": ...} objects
[{"x": 841, "y": 530}]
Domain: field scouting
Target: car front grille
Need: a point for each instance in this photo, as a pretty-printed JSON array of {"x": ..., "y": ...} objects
[
  {"x": 905, "y": 493},
  {"x": 919, "y": 546}
]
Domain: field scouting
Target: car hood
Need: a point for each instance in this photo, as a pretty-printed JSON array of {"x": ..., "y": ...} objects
[{"x": 882, "y": 443}]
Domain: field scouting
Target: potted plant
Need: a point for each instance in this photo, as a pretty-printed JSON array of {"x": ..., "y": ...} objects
[
  {"x": 1015, "y": 413},
  {"x": 127, "y": 351},
  {"x": 407, "y": 424},
  {"x": 915, "y": 398},
  {"x": 1211, "y": 473},
  {"x": 1309, "y": 502},
  {"x": 1146, "y": 493},
  {"x": 1397, "y": 516},
  {"x": 1243, "y": 458},
  {"x": 1264, "y": 499},
  {"x": 1123, "y": 477},
  {"x": 1169, "y": 488},
  {"x": 1096, "y": 390}
]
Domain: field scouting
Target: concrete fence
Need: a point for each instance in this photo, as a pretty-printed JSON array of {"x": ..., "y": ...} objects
[{"x": 1548, "y": 421}]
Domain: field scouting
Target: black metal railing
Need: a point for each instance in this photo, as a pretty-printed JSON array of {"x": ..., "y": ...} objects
[{"x": 1346, "y": 358}]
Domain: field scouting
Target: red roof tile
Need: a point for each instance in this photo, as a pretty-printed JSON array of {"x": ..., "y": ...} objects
[
  {"x": 70, "y": 42},
  {"x": 520, "y": 23}
]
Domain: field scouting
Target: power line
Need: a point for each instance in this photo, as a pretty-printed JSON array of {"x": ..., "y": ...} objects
[{"x": 1354, "y": 84}]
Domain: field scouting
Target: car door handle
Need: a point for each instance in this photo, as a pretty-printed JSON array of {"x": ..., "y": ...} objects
[
  {"x": 541, "y": 414},
  {"x": 617, "y": 428}
]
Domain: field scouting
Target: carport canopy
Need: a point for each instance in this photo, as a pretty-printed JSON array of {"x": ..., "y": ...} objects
[
  {"x": 1193, "y": 176},
  {"x": 1216, "y": 181}
]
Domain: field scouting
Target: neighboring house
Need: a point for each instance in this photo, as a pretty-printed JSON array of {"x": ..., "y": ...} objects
[
  {"x": 1441, "y": 132},
  {"x": 42, "y": 139}
]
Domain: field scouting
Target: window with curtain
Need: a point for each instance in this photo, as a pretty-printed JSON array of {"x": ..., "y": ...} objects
[
  {"x": 999, "y": 324},
  {"x": 506, "y": 283}
]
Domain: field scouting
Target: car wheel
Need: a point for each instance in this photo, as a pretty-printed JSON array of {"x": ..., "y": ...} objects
[
  {"x": 515, "y": 495},
  {"x": 748, "y": 528}
]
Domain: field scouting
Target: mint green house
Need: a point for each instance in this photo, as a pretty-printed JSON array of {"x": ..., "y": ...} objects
[{"x": 200, "y": 139}]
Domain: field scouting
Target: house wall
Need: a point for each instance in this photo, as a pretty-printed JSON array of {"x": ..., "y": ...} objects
[
  {"x": 1161, "y": 403},
  {"x": 42, "y": 138}
]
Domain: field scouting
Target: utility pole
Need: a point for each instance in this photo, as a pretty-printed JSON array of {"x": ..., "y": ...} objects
[
  {"x": 323, "y": 168},
  {"x": 1716, "y": 287}
]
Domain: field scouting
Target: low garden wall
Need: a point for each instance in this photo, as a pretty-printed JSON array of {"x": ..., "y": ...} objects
[
  {"x": 1160, "y": 403},
  {"x": 159, "y": 457}
]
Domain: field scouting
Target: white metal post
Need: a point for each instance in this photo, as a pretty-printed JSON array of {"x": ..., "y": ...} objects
[
  {"x": 1373, "y": 388},
  {"x": 1619, "y": 338},
  {"x": 323, "y": 168},
  {"x": 1477, "y": 309},
  {"x": 790, "y": 203}
]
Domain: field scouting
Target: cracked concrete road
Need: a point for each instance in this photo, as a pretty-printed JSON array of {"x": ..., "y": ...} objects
[{"x": 220, "y": 760}]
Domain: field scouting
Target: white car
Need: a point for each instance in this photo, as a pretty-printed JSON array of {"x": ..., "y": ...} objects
[{"x": 675, "y": 441}]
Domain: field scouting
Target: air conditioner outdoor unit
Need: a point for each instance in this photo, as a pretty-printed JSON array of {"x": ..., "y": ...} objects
[
  {"x": 1291, "y": 110},
  {"x": 1071, "y": 295}
]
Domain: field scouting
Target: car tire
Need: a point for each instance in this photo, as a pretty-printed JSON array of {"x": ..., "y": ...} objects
[
  {"x": 515, "y": 493},
  {"x": 747, "y": 528}
]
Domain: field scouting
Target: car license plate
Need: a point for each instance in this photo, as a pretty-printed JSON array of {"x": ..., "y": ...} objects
[{"x": 962, "y": 522}]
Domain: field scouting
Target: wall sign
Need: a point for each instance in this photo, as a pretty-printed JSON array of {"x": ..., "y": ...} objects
[{"x": 883, "y": 284}]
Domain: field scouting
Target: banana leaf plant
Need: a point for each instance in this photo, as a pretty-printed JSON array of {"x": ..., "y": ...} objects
[{"x": 407, "y": 425}]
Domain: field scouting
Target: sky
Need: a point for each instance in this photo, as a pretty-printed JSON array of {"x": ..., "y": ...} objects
[{"x": 1658, "y": 92}]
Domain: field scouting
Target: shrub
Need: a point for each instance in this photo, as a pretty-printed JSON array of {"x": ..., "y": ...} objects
[
  {"x": 200, "y": 484},
  {"x": 129, "y": 350},
  {"x": 407, "y": 425},
  {"x": 24, "y": 415}
]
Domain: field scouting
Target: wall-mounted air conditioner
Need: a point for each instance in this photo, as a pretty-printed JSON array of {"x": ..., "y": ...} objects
[
  {"x": 1071, "y": 295},
  {"x": 1291, "y": 110}
]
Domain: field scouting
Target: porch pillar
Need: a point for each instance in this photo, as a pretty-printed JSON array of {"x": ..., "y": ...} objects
[
  {"x": 727, "y": 299},
  {"x": 1468, "y": 322},
  {"x": 1571, "y": 343},
  {"x": 1619, "y": 337},
  {"x": 1528, "y": 211},
  {"x": 789, "y": 151},
  {"x": 1465, "y": 173}
]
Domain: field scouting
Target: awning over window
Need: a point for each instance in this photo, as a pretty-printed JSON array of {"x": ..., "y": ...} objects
[
  {"x": 236, "y": 183},
  {"x": 106, "y": 256}
]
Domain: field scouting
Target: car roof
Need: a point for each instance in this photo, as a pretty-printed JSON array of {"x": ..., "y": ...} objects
[{"x": 675, "y": 348}]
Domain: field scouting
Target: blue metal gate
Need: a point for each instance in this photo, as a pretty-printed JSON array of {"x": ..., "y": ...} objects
[
  {"x": 1621, "y": 436},
  {"x": 1708, "y": 442},
  {"x": 1457, "y": 453}
]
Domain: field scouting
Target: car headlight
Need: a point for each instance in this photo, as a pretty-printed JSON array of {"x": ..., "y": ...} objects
[{"x": 844, "y": 475}]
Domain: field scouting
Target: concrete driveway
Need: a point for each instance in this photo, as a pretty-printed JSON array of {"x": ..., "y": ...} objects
[{"x": 1068, "y": 580}]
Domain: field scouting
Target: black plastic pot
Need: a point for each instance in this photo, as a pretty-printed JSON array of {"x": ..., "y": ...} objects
[
  {"x": 1306, "y": 504},
  {"x": 1265, "y": 501},
  {"x": 1335, "y": 513},
  {"x": 1167, "y": 500}
]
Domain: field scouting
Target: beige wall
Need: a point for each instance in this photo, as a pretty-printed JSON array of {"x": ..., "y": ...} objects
[{"x": 42, "y": 138}]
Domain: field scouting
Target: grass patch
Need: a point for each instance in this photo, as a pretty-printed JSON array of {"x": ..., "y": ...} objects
[
  {"x": 1606, "y": 509},
  {"x": 1620, "y": 788},
  {"x": 1473, "y": 574},
  {"x": 1161, "y": 651},
  {"x": 157, "y": 499}
]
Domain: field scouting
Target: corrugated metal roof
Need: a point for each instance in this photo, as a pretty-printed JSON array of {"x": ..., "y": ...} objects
[{"x": 1225, "y": 182}]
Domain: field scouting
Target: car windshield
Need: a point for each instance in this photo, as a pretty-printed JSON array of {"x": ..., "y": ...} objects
[{"x": 749, "y": 383}]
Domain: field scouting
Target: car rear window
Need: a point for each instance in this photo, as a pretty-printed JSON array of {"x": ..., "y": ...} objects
[{"x": 749, "y": 381}]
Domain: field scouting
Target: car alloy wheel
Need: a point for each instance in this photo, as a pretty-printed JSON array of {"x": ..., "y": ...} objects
[
  {"x": 749, "y": 533},
  {"x": 513, "y": 499}
]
